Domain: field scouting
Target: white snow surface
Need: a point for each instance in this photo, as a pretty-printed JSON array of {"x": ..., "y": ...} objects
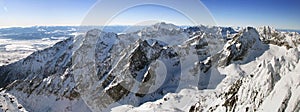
[
  {"x": 256, "y": 69},
  {"x": 14, "y": 50}
]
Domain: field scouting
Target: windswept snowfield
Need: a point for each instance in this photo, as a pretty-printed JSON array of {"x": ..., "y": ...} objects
[
  {"x": 14, "y": 50},
  {"x": 19, "y": 42},
  {"x": 161, "y": 67}
]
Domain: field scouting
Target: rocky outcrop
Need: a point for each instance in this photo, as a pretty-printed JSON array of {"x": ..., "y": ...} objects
[
  {"x": 271, "y": 36},
  {"x": 94, "y": 69},
  {"x": 101, "y": 70},
  {"x": 256, "y": 91}
]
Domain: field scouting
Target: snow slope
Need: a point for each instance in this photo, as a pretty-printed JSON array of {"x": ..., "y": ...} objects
[{"x": 160, "y": 68}]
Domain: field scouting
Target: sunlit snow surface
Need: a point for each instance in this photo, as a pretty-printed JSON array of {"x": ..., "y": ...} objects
[
  {"x": 19, "y": 42},
  {"x": 259, "y": 69},
  {"x": 14, "y": 50}
]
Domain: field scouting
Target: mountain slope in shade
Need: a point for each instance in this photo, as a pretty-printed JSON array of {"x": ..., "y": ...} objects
[{"x": 160, "y": 68}]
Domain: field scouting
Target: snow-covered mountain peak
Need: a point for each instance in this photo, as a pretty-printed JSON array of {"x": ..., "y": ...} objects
[
  {"x": 167, "y": 33},
  {"x": 270, "y": 35},
  {"x": 240, "y": 47},
  {"x": 163, "y": 25},
  {"x": 162, "y": 28},
  {"x": 248, "y": 35},
  {"x": 266, "y": 29},
  {"x": 222, "y": 68}
]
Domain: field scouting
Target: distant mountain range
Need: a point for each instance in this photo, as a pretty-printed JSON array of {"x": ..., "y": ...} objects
[
  {"x": 162, "y": 67},
  {"x": 39, "y": 32}
]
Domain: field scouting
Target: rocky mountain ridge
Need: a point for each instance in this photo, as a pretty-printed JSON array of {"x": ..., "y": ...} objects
[{"x": 100, "y": 71}]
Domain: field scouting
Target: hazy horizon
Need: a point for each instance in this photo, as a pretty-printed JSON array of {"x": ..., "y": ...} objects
[
  {"x": 28, "y": 13},
  {"x": 297, "y": 30}
]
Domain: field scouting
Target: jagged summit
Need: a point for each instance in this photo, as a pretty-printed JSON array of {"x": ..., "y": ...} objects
[
  {"x": 272, "y": 36},
  {"x": 162, "y": 67},
  {"x": 239, "y": 47}
]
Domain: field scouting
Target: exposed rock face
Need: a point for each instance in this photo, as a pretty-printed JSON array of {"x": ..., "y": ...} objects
[
  {"x": 252, "y": 92},
  {"x": 99, "y": 71},
  {"x": 131, "y": 77},
  {"x": 259, "y": 90},
  {"x": 44, "y": 72},
  {"x": 43, "y": 75},
  {"x": 40, "y": 64},
  {"x": 237, "y": 48},
  {"x": 271, "y": 36}
]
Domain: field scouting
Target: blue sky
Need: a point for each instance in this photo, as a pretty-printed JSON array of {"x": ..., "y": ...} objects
[
  {"x": 150, "y": 13},
  {"x": 133, "y": 12},
  {"x": 43, "y": 12},
  {"x": 283, "y": 14},
  {"x": 276, "y": 13}
]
